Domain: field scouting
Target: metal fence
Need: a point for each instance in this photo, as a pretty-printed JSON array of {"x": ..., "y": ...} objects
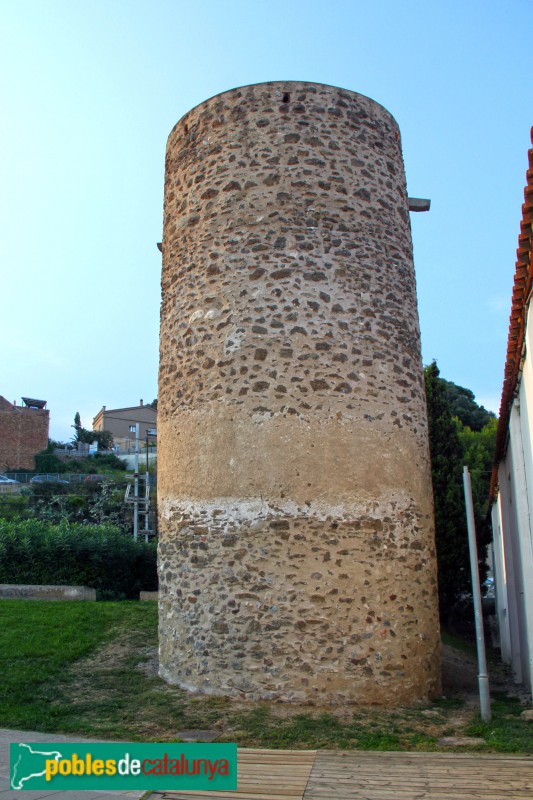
[
  {"x": 125, "y": 446},
  {"x": 26, "y": 477},
  {"x": 67, "y": 477}
]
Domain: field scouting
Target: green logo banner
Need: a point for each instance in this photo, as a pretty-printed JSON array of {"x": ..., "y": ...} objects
[{"x": 121, "y": 766}]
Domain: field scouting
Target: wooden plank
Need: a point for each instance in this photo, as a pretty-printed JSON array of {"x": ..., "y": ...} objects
[
  {"x": 490, "y": 778},
  {"x": 425, "y": 756},
  {"x": 365, "y": 770},
  {"x": 222, "y": 796},
  {"x": 365, "y": 793},
  {"x": 385, "y": 776},
  {"x": 285, "y": 754},
  {"x": 452, "y": 787},
  {"x": 351, "y": 792},
  {"x": 274, "y": 769},
  {"x": 421, "y": 783},
  {"x": 408, "y": 768},
  {"x": 244, "y": 789}
]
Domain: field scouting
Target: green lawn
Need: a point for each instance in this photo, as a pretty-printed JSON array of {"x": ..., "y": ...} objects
[
  {"x": 39, "y": 643},
  {"x": 89, "y": 669}
]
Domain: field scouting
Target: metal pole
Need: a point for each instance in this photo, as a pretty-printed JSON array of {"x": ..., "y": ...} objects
[
  {"x": 136, "y": 486},
  {"x": 483, "y": 678},
  {"x": 146, "y": 495}
]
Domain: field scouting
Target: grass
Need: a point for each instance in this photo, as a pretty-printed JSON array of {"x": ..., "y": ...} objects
[
  {"x": 39, "y": 641},
  {"x": 89, "y": 669},
  {"x": 505, "y": 732},
  {"x": 459, "y": 644}
]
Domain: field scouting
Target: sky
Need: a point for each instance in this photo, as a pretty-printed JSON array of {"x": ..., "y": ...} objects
[{"x": 89, "y": 93}]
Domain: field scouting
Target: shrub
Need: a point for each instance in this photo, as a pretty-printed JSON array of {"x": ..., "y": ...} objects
[
  {"x": 14, "y": 506},
  {"x": 99, "y": 556},
  {"x": 109, "y": 461},
  {"x": 99, "y": 503},
  {"x": 48, "y": 462}
]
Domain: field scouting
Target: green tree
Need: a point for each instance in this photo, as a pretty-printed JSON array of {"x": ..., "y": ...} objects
[
  {"x": 463, "y": 406},
  {"x": 104, "y": 439},
  {"x": 446, "y": 470},
  {"x": 81, "y": 434},
  {"x": 454, "y": 443},
  {"x": 478, "y": 449}
]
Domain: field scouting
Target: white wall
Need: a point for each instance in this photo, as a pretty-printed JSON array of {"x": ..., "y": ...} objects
[
  {"x": 129, "y": 458},
  {"x": 512, "y": 521}
]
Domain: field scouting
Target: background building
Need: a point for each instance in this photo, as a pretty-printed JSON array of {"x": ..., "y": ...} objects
[
  {"x": 23, "y": 432},
  {"x": 120, "y": 422}
]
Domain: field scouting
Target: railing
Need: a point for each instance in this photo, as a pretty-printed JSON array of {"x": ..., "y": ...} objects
[
  {"x": 62, "y": 451},
  {"x": 120, "y": 447},
  {"x": 127, "y": 447},
  {"x": 69, "y": 477}
]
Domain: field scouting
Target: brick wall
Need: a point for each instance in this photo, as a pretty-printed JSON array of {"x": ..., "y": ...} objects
[{"x": 23, "y": 433}]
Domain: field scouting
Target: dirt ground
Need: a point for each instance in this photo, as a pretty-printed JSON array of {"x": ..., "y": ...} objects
[
  {"x": 460, "y": 671},
  {"x": 165, "y": 710}
]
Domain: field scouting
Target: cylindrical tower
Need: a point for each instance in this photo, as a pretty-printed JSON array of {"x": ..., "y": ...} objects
[{"x": 296, "y": 551}]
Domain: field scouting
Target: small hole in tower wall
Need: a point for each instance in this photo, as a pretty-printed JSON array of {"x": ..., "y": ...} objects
[{"x": 286, "y": 97}]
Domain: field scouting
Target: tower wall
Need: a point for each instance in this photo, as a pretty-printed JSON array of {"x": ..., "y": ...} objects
[{"x": 296, "y": 524}]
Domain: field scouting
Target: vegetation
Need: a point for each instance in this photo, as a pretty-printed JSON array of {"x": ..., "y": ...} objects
[
  {"x": 105, "y": 462},
  {"x": 99, "y": 503},
  {"x": 453, "y": 443},
  {"x": 463, "y": 405},
  {"x": 99, "y": 556},
  {"x": 38, "y": 644},
  {"x": 14, "y": 506},
  {"x": 478, "y": 450},
  {"x": 505, "y": 732},
  {"x": 104, "y": 439},
  {"x": 47, "y": 462},
  {"x": 90, "y": 669}
]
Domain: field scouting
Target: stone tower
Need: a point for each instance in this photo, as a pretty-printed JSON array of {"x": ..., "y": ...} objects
[{"x": 296, "y": 524}]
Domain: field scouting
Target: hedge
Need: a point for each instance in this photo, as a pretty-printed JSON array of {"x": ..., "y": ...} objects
[{"x": 99, "y": 556}]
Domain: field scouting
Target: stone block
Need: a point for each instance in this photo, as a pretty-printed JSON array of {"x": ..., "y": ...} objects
[
  {"x": 12, "y": 591},
  {"x": 149, "y": 596}
]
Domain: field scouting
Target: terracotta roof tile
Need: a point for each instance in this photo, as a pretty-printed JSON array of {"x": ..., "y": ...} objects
[{"x": 520, "y": 302}]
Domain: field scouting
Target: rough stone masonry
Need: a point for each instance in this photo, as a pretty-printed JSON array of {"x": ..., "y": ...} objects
[{"x": 296, "y": 552}]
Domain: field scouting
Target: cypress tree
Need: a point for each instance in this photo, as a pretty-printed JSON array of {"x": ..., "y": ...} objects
[{"x": 450, "y": 516}]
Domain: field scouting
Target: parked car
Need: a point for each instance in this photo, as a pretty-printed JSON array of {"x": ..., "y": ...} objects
[
  {"x": 5, "y": 479},
  {"x": 96, "y": 478},
  {"x": 48, "y": 479},
  {"x": 9, "y": 486}
]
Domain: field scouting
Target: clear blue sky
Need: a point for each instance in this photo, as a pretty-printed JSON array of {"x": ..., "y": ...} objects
[{"x": 90, "y": 92}]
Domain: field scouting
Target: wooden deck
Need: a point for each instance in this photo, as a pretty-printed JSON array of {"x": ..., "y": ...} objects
[
  {"x": 263, "y": 775},
  {"x": 358, "y": 775},
  {"x": 419, "y": 776}
]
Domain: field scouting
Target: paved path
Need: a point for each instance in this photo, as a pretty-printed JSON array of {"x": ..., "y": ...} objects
[{"x": 8, "y": 736}]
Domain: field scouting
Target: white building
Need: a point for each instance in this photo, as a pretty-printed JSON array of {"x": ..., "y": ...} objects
[{"x": 512, "y": 479}]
